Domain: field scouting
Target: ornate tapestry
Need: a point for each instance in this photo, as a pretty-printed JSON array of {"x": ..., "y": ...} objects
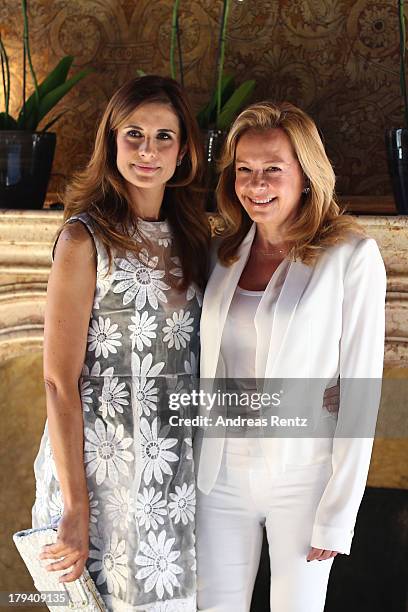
[{"x": 337, "y": 59}]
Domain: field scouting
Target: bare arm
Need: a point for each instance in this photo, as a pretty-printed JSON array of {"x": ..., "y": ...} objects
[{"x": 70, "y": 294}]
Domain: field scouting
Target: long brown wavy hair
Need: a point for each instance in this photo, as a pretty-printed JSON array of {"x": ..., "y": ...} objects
[
  {"x": 99, "y": 190},
  {"x": 320, "y": 223}
]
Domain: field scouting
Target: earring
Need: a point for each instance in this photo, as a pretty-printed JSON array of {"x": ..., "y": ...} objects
[
  {"x": 178, "y": 162},
  {"x": 306, "y": 190}
]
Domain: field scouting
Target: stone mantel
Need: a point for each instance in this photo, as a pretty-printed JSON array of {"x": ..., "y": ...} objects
[
  {"x": 26, "y": 239},
  {"x": 25, "y": 246}
]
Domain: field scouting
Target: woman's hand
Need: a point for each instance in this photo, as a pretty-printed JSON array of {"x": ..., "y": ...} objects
[
  {"x": 320, "y": 554},
  {"x": 72, "y": 544},
  {"x": 331, "y": 398}
]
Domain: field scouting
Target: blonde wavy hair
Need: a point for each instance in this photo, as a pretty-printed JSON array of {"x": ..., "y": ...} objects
[{"x": 320, "y": 224}]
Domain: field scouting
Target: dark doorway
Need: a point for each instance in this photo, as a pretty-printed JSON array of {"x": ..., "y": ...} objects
[{"x": 374, "y": 578}]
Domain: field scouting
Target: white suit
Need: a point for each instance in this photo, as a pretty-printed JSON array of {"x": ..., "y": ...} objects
[{"x": 328, "y": 322}]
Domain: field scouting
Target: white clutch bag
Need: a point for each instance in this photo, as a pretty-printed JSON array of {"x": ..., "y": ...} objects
[{"x": 81, "y": 594}]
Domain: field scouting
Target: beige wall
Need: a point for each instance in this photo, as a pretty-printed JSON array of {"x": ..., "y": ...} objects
[
  {"x": 22, "y": 410},
  {"x": 337, "y": 59}
]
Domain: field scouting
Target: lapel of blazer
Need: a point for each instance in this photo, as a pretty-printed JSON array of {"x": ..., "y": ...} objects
[
  {"x": 273, "y": 330},
  {"x": 217, "y": 300}
]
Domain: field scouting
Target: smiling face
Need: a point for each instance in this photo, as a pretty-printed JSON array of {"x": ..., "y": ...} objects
[
  {"x": 268, "y": 177},
  {"x": 148, "y": 146}
]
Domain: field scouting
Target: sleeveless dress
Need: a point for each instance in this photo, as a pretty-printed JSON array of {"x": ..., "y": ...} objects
[{"x": 142, "y": 346}]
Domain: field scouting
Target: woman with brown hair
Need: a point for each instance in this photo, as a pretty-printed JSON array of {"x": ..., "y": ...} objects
[
  {"x": 297, "y": 296},
  {"x": 122, "y": 316}
]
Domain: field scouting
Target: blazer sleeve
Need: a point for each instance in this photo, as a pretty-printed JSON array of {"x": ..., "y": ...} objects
[{"x": 361, "y": 367}]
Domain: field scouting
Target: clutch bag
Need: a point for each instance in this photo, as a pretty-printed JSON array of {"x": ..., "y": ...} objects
[{"x": 81, "y": 594}]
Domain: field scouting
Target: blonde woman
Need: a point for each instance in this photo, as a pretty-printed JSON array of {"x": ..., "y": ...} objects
[{"x": 297, "y": 293}]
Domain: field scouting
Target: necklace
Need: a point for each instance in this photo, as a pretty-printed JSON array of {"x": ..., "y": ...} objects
[
  {"x": 273, "y": 252},
  {"x": 269, "y": 253}
]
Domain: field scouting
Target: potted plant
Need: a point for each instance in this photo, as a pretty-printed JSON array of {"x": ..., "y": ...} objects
[
  {"x": 396, "y": 139},
  {"x": 26, "y": 153},
  {"x": 225, "y": 103}
]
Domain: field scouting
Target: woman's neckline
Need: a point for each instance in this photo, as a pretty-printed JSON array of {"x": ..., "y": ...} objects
[
  {"x": 153, "y": 226},
  {"x": 251, "y": 292},
  {"x": 284, "y": 264},
  {"x": 151, "y": 221}
]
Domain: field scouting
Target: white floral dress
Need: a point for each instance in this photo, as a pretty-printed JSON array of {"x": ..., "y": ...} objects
[{"x": 142, "y": 345}]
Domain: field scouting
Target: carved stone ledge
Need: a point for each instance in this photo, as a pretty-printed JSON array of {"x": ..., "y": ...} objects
[
  {"x": 26, "y": 238},
  {"x": 391, "y": 233},
  {"x": 22, "y": 307}
]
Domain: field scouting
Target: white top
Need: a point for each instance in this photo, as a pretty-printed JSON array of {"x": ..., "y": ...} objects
[
  {"x": 238, "y": 349},
  {"x": 238, "y": 344},
  {"x": 239, "y": 338}
]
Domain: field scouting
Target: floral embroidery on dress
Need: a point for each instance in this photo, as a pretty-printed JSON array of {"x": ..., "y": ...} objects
[
  {"x": 144, "y": 391},
  {"x": 159, "y": 569},
  {"x": 183, "y": 505},
  {"x": 110, "y": 562},
  {"x": 105, "y": 451},
  {"x": 113, "y": 397},
  {"x": 156, "y": 455},
  {"x": 140, "y": 280},
  {"x": 93, "y": 508},
  {"x": 176, "y": 332},
  {"x": 142, "y": 346},
  {"x": 191, "y": 365},
  {"x": 119, "y": 507},
  {"x": 103, "y": 337},
  {"x": 192, "y": 291},
  {"x": 151, "y": 508},
  {"x": 143, "y": 330}
]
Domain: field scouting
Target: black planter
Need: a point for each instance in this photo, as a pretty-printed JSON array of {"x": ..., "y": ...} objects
[
  {"x": 213, "y": 142},
  {"x": 25, "y": 167},
  {"x": 396, "y": 141}
]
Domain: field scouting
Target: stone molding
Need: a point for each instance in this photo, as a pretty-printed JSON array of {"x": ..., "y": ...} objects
[{"x": 26, "y": 239}]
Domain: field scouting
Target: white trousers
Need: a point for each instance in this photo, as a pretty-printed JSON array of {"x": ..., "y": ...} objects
[{"x": 230, "y": 522}]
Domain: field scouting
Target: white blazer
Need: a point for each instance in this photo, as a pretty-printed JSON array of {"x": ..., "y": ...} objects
[{"x": 328, "y": 322}]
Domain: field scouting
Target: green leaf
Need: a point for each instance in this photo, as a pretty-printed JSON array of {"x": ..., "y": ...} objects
[
  {"x": 207, "y": 115},
  {"x": 7, "y": 122},
  {"x": 403, "y": 82},
  {"x": 53, "y": 97},
  {"x": 5, "y": 73},
  {"x": 140, "y": 72},
  {"x": 202, "y": 117},
  {"x": 55, "y": 78},
  {"x": 234, "y": 104},
  {"x": 174, "y": 37}
]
